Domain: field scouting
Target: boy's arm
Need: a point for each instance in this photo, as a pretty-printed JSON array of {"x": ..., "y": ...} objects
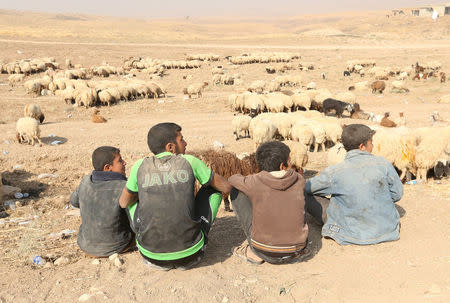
[
  {"x": 74, "y": 201},
  {"x": 130, "y": 192},
  {"x": 320, "y": 185},
  {"x": 395, "y": 184},
  {"x": 206, "y": 176},
  {"x": 127, "y": 198},
  {"x": 221, "y": 184}
]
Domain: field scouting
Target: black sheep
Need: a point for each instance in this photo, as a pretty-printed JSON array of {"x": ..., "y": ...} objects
[
  {"x": 346, "y": 73},
  {"x": 338, "y": 106}
]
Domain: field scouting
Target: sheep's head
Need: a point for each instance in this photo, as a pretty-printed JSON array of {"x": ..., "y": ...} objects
[
  {"x": 41, "y": 118},
  {"x": 349, "y": 107}
]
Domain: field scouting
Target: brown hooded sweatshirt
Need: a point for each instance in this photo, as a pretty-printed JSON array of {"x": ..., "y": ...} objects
[{"x": 278, "y": 221}]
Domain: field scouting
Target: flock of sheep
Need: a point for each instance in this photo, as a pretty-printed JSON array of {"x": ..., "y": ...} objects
[{"x": 283, "y": 108}]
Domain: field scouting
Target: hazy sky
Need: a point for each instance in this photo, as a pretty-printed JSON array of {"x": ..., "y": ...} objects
[{"x": 204, "y": 8}]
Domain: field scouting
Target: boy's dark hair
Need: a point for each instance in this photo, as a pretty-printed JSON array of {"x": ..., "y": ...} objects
[
  {"x": 270, "y": 155},
  {"x": 161, "y": 134},
  {"x": 355, "y": 134},
  {"x": 104, "y": 155}
]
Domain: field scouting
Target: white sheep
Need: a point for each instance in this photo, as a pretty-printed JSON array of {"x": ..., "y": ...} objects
[
  {"x": 399, "y": 87},
  {"x": 301, "y": 100},
  {"x": 298, "y": 154},
  {"x": 430, "y": 150},
  {"x": 257, "y": 86},
  {"x": 105, "y": 97},
  {"x": 263, "y": 131},
  {"x": 336, "y": 154},
  {"x": 239, "y": 124},
  {"x": 274, "y": 103},
  {"x": 302, "y": 133},
  {"x": 34, "y": 111},
  {"x": 195, "y": 89},
  {"x": 28, "y": 130},
  {"x": 15, "y": 78}
]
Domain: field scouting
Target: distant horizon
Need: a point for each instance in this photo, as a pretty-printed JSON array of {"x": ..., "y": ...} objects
[{"x": 141, "y": 9}]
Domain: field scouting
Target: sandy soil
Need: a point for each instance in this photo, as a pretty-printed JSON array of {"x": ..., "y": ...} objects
[{"x": 413, "y": 269}]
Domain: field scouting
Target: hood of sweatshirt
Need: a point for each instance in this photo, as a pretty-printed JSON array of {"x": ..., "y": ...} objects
[{"x": 281, "y": 183}]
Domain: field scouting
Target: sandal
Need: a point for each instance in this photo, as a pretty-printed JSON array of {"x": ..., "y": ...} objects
[{"x": 241, "y": 252}]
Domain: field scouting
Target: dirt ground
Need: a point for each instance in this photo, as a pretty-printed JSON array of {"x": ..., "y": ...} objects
[{"x": 413, "y": 269}]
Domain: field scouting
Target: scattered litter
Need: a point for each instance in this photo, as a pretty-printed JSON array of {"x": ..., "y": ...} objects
[
  {"x": 18, "y": 195},
  {"x": 218, "y": 145},
  {"x": 68, "y": 231},
  {"x": 11, "y": 204},
  {"x": 26, "y": 195},
  {"x": 5, "y": 152},
  {"x": 414, "y": 182},
  {"x": 51, "y": 135},
  {"x": 24, "y": 222},
  {"x": 17, "y": 166},
  {"x": 38, "y": 260},
  {"x": 406, "y": 101},
  {"x": 42, "y": 176},
  {"x": 69, "y": 116},
  {"x": 6, "y": 142},
  {"x": 161, "y": 101},
  {"x": 56, "y": 142}
]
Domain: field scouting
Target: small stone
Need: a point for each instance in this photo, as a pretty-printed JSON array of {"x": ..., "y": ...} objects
[
  {"x": 118, "y": 262},
  {"x": 95, "y": 262},
  {"x": 225, "y": 300},
  {"x": 113, "y": 257},
  {"x": 48, "y": 265},
  {"x": 61, "y": 261},
  {"x": 85, "y": 297}
]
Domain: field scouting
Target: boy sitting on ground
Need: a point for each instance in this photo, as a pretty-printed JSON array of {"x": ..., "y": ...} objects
[
  {"x": 271, "y": 208},
  {"x": 105, "y": 228},
  {"x": 171, "y": 223},
  {"x": 363, "y": 191}
]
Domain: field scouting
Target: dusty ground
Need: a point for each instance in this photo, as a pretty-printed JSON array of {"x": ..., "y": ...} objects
[{"x": 413, "y": 269}]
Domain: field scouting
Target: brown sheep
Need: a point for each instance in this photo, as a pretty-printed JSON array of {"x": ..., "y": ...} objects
[
  {"x": 378, "y": 86},
  {"x": 227, "y": 164},
  {"x": 96, "y": 118},
  {"x": 443, "y": 77},
  {"x": 386, "y": 122}
]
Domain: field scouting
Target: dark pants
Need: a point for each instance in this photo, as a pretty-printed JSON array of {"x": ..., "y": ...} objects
[
  {"x": 207, "y": 202},
  {"x": 317, "y": 206},
  {"x": 243, "y": 209}
]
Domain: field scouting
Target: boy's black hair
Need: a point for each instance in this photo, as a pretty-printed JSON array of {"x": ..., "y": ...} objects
[
  {"x": 270, "y": 155},
  {"x": 355, "y": 134},
  {"x": 104, "y": 155},
  {"x": 161, "y": 134}
]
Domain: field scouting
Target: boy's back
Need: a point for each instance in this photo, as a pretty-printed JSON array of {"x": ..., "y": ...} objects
[{"x": 278, "y": 208}]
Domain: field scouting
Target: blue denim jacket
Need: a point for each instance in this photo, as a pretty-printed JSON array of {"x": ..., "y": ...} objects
[{"x": 363, "y": 190}]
